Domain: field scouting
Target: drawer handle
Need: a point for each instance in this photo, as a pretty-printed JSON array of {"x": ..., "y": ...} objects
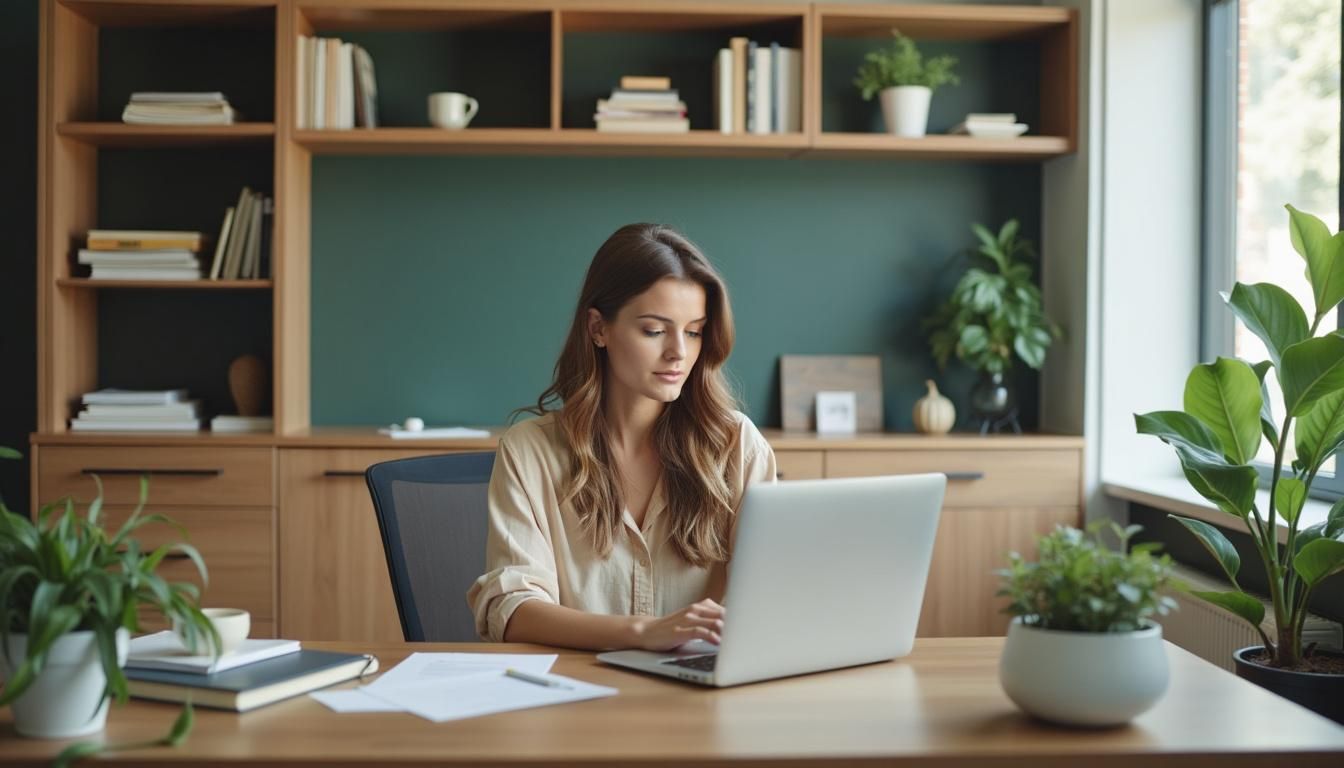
[
  {"x": 343, "y": 473},
  {"x": 132, "y": 471},
  {"x": 965, "y": 475}
]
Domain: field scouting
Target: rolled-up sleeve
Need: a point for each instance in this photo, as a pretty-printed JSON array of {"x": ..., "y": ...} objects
[{"x": 519, "y": 557}]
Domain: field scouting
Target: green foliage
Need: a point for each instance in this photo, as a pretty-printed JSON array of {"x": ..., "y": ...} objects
[
  {"x": 902, "y": 64},
  {"x": 994, "y": 313},
  {"x": 1227, "y": 412},
  {"x": 66, "y": 572},
  {"x": 1077, "y": 584}
]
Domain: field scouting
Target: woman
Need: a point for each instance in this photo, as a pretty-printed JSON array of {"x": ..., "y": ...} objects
[{"x": 611, "y": 515}]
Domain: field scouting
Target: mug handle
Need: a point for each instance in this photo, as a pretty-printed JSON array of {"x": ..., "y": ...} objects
[{"x": 472, "y": 107}]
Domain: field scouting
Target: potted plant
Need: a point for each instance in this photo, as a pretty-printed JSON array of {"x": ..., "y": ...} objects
[
  {"x": 993, "y": 317},
  {"x": 1082, "y": 649},
  {"x": 69, "y": 597},
  {"x": 905, "y": 81},
  {"x": 1217, "y": 436}
]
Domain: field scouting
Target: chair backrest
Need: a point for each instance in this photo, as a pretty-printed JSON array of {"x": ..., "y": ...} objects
[{"x": 432, "y": 514}]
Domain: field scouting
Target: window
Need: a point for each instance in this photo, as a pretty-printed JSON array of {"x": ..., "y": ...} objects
[{"x": 1272, "y": 130}]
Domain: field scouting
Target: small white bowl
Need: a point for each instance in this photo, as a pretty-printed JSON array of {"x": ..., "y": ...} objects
[{"x": 232, "y": 624}]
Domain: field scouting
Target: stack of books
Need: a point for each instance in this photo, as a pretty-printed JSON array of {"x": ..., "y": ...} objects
[
  {"x": 257, "y": 673},
  {"x": 126, "y": 254},
  {"x": 123, "y": 410},
  {"x": 995, "y": 125},
  {"x": 642, "y": 105},
  {"x": 243, "y": 248},
  {"x": 195, "y": 108},
  {"x": 334, "y": 85},
  {"x": 758, "y": 88},
  {"x": 236, "y": 424}
]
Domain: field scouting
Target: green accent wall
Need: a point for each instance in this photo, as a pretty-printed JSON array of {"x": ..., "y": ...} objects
[{"x": 442, "y": 287}]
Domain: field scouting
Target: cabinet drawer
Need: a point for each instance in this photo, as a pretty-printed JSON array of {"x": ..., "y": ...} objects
[
  {"x": 226, "y": 477},
  {"x": 978, "y": 478},
  {"x": 238, "y": 546},
  {"x": 800, "y": 465}
]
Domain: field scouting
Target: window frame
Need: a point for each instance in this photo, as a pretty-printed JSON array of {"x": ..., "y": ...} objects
[{"x": 1219, "y": 195}]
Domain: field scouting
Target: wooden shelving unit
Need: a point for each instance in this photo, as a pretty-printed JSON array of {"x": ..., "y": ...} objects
[{"x": 72, "y": 137}]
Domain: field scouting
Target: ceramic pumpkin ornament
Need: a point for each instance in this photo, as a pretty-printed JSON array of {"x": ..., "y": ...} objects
[{"x": 934, "y": 414}]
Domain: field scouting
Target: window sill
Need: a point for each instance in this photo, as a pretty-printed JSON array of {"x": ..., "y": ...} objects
[{"x": 1174, "y": 494}]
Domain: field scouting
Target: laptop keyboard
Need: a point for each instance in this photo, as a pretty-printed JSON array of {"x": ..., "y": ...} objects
[{"x": 701, "y": 663}]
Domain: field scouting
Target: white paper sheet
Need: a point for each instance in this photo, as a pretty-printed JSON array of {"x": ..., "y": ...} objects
[
  {"x": 434, "y": 667},
  {"x": 484, "y": 694},
  {"x": 353, "y": 700}
]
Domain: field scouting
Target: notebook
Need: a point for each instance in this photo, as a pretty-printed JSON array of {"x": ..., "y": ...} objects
[
  {"x": 254, "y": 685},
  {"x": 163, "y": 650}
]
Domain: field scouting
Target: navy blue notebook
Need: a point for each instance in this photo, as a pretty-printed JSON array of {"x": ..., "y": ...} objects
[{"x": 254, "y": 685}]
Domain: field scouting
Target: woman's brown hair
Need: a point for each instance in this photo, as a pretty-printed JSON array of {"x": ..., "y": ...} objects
[{"x": 693, "y": 434}]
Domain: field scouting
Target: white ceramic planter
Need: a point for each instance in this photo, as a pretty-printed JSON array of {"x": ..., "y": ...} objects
[
  {"x": 906, "y": 109},
  {"x": 1083, "y": 678},
  {"x": 67, "y": 697}
]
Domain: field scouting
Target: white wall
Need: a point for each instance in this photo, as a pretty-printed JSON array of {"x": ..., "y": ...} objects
[{"x": 1149, "y": 279}]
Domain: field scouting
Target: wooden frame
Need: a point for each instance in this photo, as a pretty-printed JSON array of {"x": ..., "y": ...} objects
[{"x": 69, "y": 141}]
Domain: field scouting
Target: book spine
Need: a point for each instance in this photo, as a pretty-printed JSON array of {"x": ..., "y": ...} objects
[
  {"x": 140, "y": 244},
  {"x": 738, "y": 45},
  {"x": 752, "y": 76}
]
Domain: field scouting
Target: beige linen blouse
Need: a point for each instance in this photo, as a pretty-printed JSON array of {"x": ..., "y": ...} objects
[{"x": 537, "y": 550}]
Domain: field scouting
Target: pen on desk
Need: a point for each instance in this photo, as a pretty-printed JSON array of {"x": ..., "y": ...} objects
[{"x": 534, "y": 679}]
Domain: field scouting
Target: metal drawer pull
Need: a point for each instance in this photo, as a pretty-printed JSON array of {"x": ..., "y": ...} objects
[
  {"x": 132, "y": 471},
  {"x": 343, "y": 473},
  {"x": 965, "y": 475}
]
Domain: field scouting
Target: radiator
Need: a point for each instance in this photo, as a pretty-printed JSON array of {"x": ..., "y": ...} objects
[{"x": 1213, "y": 633}]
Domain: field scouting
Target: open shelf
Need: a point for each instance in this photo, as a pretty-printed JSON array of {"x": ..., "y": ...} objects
[
  {"x": 941, "y": 22},
  {"x": 193, "y": 285},
  {"x": 124, "y": 135},
  {"x": 215, "y": 13}
]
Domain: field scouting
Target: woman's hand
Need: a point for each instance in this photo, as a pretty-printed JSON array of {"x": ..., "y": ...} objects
[{"x": 698, "y": 621}]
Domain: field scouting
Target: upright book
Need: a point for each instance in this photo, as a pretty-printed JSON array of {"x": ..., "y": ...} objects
[{"x": 255, "y": 685}]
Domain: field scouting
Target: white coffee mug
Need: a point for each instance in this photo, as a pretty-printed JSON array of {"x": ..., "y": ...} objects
[{"x": 451, "y": 110}]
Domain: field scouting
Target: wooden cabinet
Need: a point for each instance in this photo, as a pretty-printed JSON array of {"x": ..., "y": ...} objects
[
  {"x": 800, "y": 465},
  {"x": 222, "y": 497},
  {"x": 334, "y": 583}
]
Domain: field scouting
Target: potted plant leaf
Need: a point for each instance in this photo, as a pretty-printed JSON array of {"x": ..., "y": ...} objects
[
  {"x": 1082, "y": 649},
  {"x": 70, "y": 593},
  {"x": 905, "y": 81},
  {"x": 1217, "y": 435},
  {"x": 993, "y": 317}
]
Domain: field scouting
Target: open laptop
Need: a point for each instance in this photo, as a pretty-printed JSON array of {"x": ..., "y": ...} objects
[{"x": 825, "y": 574}]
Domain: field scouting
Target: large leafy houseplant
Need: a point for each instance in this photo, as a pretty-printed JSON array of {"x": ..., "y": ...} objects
[
  {"x": 67, "y": 573},
  {"x": 901, "y": 63},
  {"x": 995, "y": 311},
  {"x": 1226, "y": 414}
]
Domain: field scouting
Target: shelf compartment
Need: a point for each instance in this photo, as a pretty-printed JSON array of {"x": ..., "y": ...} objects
[
  {"x": 678, "y": 41},
  {"x": 1019, "y": 59},
  {"x": 85, "y": 283},
  {"x": 525, "y": 141},
  {"x": 144, "y": 13},
  {"x": 499, "y": 56},
  {"x": 147, "y": 136}
]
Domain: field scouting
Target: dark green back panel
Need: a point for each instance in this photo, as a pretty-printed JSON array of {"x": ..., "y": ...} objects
[{"x": 442, "y": 287}]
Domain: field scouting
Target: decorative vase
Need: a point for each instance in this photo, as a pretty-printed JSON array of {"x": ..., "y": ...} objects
[
  {"x": 69, "y": 696},
  {"x": 1092, "y": 679},
  {"x": 1321, "y": 693},
  {"x": 934, "y": 414},
  {"x": 994, "y": 404},
  {"x": 906, "y": 109}
]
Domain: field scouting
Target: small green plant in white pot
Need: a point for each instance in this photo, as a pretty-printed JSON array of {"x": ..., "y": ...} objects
[
  {"x": 70, "y": 593},
  {"x": 1082, "y": 649},
  {"x": 905, "y": 81}
]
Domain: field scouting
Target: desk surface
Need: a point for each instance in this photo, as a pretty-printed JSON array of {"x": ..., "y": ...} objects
[{"x": 941, "y": 706}]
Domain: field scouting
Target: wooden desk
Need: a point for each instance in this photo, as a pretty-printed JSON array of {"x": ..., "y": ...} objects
[{"x": 940, "y": 706}]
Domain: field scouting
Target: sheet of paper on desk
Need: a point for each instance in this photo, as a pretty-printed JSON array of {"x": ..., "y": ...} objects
[
  {"x": 486, "y": 694},
  {"x": 432, "y": 667},
  {"x": 353, "y": 700}
]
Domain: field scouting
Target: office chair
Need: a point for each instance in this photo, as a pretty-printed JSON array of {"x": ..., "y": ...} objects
[{"x": 432, "y": 515}]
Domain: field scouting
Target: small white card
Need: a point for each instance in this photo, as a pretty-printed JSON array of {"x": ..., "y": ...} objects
[{"x": 837, "y": 412}]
